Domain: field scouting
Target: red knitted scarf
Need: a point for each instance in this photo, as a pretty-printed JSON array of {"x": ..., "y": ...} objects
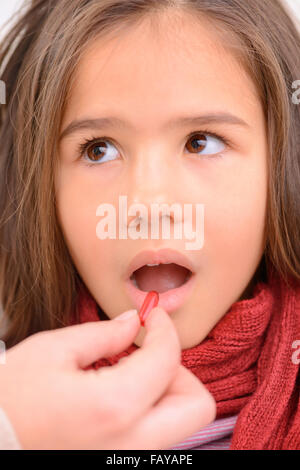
[{"x": 249, "y": 363}]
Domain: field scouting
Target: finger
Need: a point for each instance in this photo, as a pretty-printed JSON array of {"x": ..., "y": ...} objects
[
  {"x": 185, "y": 408},
  {"x": 81, "y": 345},
  {"x": 136, "y": 384}
]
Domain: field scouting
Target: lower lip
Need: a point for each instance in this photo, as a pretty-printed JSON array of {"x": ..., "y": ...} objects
[{"x": 170, "y": 300}]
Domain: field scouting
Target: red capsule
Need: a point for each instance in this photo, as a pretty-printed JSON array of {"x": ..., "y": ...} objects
[{"x": 150, "y": 302}]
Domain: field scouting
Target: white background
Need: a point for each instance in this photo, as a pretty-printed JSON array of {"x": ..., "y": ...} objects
[
  {"x": 10, "y": 6},
  {"x": 7, "y": 8}
]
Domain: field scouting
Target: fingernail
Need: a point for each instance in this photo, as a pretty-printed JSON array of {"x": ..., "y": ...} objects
[
  {"x": 126, "y": 315},
  {"x": 150, "y": 301}
]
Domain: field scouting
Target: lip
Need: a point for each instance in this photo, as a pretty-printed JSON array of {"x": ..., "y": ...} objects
[
  {"x": 164, "y": 256},
  {"x": 173, "y": 298},
  {"x": 170, "y": 300}
]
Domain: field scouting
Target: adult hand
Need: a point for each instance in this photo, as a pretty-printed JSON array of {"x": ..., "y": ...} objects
[{"x": 146, "y": 401}]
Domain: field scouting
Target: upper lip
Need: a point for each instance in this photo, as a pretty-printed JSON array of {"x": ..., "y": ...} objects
[{"x": 165, "y": 255}]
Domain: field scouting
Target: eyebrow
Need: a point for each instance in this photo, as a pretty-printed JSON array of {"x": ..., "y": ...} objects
[{"x": 105, "y": 122}]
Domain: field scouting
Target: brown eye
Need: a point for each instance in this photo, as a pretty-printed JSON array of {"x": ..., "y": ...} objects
[
  {"x": 197, "y": 143},
  {"x": 205, "y": 144},
  {"x": 100, "y": 151},
  {"x": 96, "y": 151}
]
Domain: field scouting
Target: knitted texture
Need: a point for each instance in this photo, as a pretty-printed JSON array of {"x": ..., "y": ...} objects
[{"x": 245, "y": 362}]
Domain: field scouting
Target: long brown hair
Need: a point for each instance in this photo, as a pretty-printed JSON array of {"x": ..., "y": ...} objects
[{"x": 38, "y": 56}]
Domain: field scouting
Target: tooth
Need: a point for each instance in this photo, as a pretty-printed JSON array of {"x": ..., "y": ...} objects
[{"x": 157, "y": 264}]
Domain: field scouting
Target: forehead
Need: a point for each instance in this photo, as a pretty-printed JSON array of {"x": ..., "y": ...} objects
[{"x": 160, "y": 69}]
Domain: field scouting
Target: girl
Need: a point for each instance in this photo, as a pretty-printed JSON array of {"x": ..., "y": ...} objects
[{"x": 164, "y": 101}]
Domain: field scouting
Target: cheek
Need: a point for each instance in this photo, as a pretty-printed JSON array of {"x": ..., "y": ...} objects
[
  {"x": 77, "y": 217},
  {"x": 235, "y": 221},
  {"x": 77, "y": 199}
]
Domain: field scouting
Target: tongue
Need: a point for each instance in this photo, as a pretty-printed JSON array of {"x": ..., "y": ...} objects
[{"x": 160, "y": 278}]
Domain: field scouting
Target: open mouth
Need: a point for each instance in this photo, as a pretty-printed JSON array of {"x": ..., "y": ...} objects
[
  {"x": 169, "y": 272},
  {"x": 160, "y": 277}
]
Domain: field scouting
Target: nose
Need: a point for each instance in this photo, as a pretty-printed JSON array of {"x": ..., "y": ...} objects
[
  {"x": 154, "y": 192},
  {"x": 137, "y": 221},
  {"x": 154, "y": 178}
]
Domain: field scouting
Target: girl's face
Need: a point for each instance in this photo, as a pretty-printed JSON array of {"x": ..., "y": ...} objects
[{"x": 146, "y": 79}]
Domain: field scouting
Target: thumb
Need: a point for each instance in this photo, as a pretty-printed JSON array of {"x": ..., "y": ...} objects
[{"x": 87, "y": 342}]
